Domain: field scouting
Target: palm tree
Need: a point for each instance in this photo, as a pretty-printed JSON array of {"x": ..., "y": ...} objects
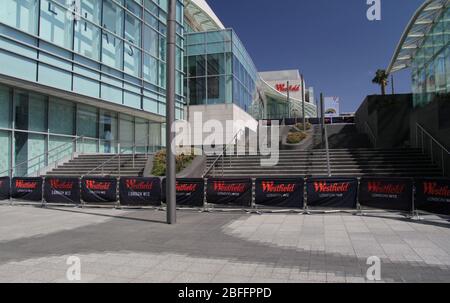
[{"x": 381, "y": 78}]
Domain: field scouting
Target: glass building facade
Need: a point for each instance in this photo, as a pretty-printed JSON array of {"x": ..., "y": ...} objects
[
  {"x": 431, "y": 63},
  {"x": 38, "y": 124},
  {"x": 219, "y": 70},
  {"x": 111, "y": 53}
]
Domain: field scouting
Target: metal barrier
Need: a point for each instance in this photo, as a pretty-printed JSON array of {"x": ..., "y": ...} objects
[{"x": 255, "y": 208}]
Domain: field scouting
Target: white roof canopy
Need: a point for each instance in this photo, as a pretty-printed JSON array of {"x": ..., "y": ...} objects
[
  {"x": 202, "y": 14},
  {"x": 415, "y": 33}
]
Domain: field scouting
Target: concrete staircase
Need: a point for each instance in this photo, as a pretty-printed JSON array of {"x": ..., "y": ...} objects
[
  {"x": 84, "y": 164},
  {"x": 344, "y": 162},
  {"x": 341, "y": 136}
]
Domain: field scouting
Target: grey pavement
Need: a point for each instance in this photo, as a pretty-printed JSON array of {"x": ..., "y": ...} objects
[{"x": 136, "y": 246}]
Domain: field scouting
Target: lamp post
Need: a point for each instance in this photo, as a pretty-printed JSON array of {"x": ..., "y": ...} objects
[
  {"x": 170, "y": 115},
  {"x": 303, "y": 103},
  {"x": 288, "y": 100}
]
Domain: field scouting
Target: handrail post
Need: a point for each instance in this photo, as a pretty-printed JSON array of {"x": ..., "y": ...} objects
[
  {"x": 134, "y": 153},
  {"x": 443, "y": 164}
]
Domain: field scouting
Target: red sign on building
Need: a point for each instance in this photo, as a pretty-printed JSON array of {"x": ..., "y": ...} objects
[{"x": 284, "y": 88}]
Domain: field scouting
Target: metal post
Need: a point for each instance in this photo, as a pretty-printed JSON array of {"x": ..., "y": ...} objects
[
  {"x": 303, "y": 103},
  {"x": 288, "y": 100},
  {"x": 170, "y": 114},
  {"x": 392, "y": 84},
  {"x": 134, "y": 154},
  {"x": 431, "y": 150},
  {"x": 118, "y": 145},
  {"x": 322, "y": 119}
]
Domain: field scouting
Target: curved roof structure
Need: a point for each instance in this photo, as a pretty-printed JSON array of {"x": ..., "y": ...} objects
[
  {"x": 310, "y": 109},
  {"x": 415, "y": 33},
  {"x": 202, "y": 15}
]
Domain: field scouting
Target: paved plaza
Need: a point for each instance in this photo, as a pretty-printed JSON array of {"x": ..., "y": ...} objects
[{"x": 136, "y": 246}]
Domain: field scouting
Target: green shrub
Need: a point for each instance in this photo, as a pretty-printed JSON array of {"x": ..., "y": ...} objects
[
  {"x": 300, "y": 126},
  {"x": 295, "y": 137},
  {"x": 159, "y": 163}
]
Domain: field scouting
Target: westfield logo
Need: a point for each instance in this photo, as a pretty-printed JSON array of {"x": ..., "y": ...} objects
[
  {"x": 323, "y": 187},
  {"x": 284, "y": 88},
  {"x": 186, "y": 187},
  {"x": 234, "y": 188},
  {"x": 26, "y": 184},
  {"x": 94, "y": 185},
  {"x": 432, "y": 188},
  {"x": 270, "y": 187},
  {"x": 58, "y": 184},
  {"x": 134, "y": 184},
  {"x": 380, "y": 188}
]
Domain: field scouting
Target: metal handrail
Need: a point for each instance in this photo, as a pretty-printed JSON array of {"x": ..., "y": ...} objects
[
  {"x": 39, "y": 156},
  {"x": 103, "y": 165},
  {"x": 222, "y": 155},
  {"x": 371, "y": 134},
  {"x": 119, "y": 146},
  {"x": 327, "y": 151},
  {"x": 444, "y": 150}
]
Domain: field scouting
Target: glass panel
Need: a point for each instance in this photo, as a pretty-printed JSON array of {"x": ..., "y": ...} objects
[
  {"x": 5, "y": 152},
  {"x": 141, "y": 135},
  {"x": 27, "y": 147},
  {"x": 151, "y": 41},
  {"x": 112, "y": 50},
  {"x": 196, "y": 66},
  {"x": 197, "y": 91},
  {"x": 21, "y": 14},
  {"x": 108, "y": 132},
  {"x": 132, "y": 60},
  {"x": 151, "y": 69},
  {"x": 126, "y": 127},
  {"x": 113, "y": 17},
  {"x": 155, "y": 136},
  {"x": 87, "y": 121},
  {"x": 89, "y": 146},
  {"x": 91, "y": 10},
  {"x": 60, "y": 149},
  {"x": 55, "y": 26},
  {"x": 26, "y": 104},
  {"x": 5, "y": 106},
  {"x": 87, "y": 40},
  {"x": 61, "y": 117},
  {"x": 216, "y": 64},
  {"x": 133, "y": 7},
  {"x": 132, "y": 29},
  {"x": 216, "y": 90}
]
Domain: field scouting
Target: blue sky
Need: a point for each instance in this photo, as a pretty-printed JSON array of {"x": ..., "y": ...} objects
[{"x": 330, "y": 41}]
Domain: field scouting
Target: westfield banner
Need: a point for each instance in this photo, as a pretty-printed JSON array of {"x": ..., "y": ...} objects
[
  {"x": 99, "y": 190},
  {"x": 433, "y": 195},
  {"x": 229, "y": 192},
  {"x": 190, "y": 192},
  {"x": 140, "y": 191},
  {"x": 332, "y": 192},
  {"x": 62, "y": 190},
  {"x": 29, "y": 189},
  {"x": 279, "y": 192},
  {"x": 386, "y": 193},
  {"x": 5, "y": 188}
]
